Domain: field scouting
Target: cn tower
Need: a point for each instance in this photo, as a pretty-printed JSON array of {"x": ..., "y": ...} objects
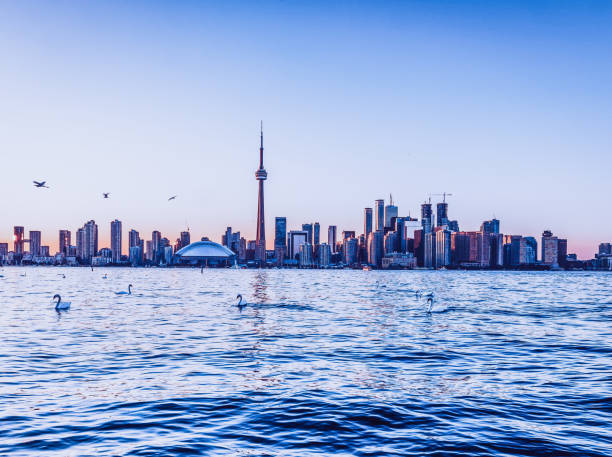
[{"x": 261, "y": 175}]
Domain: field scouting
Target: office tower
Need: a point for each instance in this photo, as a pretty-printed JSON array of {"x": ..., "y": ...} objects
[
  {"x": 156, "y": 246},
  {"x": 308, "y": 229},
  {"x": 226, "y": 239},
  {"x": 316, "y": 234},
  {"x": 280, "y": 239},
  {"x": 87, "y": 241},
  {"x": 332, "y": 237},
  {"x": 35, "y": 240},
  {"x": 261, "y": 175},
  {"x": 18, "y": 240},
  {"x": 427, "y": 237},
  {"x": 133, "y": 238},
  {"x": 562, "y": 253},
  {"x": 3, "y": 249},
  {"x": 150, "y": 254},
  {"x": 135, "y": 255},
  {"x": 426, "y": 216},
  {"x": 350, "y": 250},
  {"x": 491, "y": 226},
  {"x": 367, "y": 222},
  {"x": 550, "y": 249},
  {"x": 348, "y": 234},
  {"x": 64, "y": 242},
  {"x": 306, "y": 255},
  {"x": 400, "y": 229},
  {"x": 324, "y": 255},
  {"x": 379, "y": 214},
  {"x": 376, "y": 248},
  {"x": 453, "y": 226},
  {"x": 605, "y": 248},
  {"x": 443, "y": 248},
  {"x": 497, "y": 249},
  {"x": 296, "y": 239},
  {"x": 512, "y": 256},
  {"x": 442, "y": 214},
  {"x": 390, "y": 212},
  {"x": 390, "y": 242},
  {"x": 186, "y": 239},
  {"x": 116, "y": 233},
  {"x": 528, "y": 251}
]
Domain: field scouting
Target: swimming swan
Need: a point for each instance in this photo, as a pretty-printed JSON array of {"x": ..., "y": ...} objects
[
  {"x": 61, "y": 304},
  {"x": 123, "y": 292},
  {"x": 430, "y": 300},
  {"x": 241, "y": 304}
]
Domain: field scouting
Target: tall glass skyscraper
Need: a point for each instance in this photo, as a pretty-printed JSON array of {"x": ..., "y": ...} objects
[
  {"x": 280, "y": 232},
  {"x": 116, "y": 240},
  {"x": 379, "y": 214}
]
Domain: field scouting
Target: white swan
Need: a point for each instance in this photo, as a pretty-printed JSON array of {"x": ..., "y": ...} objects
[
  {"x": 241, "y": 304},
  {"x": 123, "y": 292},
  {"x": 61, "y": 304},
  {"x": 430, "y": 300}
]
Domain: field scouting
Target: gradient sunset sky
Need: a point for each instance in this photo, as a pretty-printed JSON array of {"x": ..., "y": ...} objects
[{"x": 505, "y": 104}]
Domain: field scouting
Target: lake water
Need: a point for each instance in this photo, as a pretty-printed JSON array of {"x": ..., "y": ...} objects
[{"x": 318, "y": 363}]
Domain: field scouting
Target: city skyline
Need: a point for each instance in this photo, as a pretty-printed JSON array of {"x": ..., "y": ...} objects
[{"x": 503, "y": 105}]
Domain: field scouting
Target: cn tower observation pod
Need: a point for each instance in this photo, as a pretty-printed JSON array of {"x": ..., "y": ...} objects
[{"x": 205, "y": 253}]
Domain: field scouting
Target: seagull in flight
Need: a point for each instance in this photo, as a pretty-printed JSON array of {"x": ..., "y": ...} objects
[
  {"x": 40, "y": 184},
  {"x": 106, "y": 194},
  {"x": 173, "y": 197}
]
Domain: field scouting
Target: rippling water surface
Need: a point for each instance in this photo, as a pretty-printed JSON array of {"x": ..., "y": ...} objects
[{"x": 318, "y": 363}]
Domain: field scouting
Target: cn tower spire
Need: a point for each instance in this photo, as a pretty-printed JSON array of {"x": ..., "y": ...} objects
[{"x": 261, "y": 175}]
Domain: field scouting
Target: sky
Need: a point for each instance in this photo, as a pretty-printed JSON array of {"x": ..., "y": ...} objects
[{"x": 506, "y": 105}]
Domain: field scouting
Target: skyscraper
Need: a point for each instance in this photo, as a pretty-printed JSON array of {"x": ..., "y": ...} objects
[
  {"x": 35, "y": 241},
  {"x": 280, "y": 239},
  {"x": 185, "y": 239},
  {"x": 390, "y": 212},
  {"x": 64, "y": 242},
  {"x": 156, "y": 246},
  {"x": 316, "y": 234},
  {"x": 133, "y": 238},
  {"x": 261, "y": 175},
  {"x": 116, "y": 240},
  {"x": 550, "y": 249},
  {"x": 491, "y": 226},
  {"x": 442, "y": 214},
  {"x": 87, "y": 241},
  {"x": 332, "y": 234},
  {"x": 367, "y": 222},
  {"x": 376, "y": 248},
  {"x": 379, "y": 214},
  {"x": 308, "y": 229},
  {"x": 296, "y": 239},
  {"x": 18, "y": 240}
]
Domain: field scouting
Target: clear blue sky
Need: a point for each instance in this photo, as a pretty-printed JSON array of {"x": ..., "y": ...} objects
[{"x": 505, "y": 104}]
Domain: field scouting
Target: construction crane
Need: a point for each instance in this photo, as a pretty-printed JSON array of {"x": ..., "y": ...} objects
[{"x": 443, "y": 195}]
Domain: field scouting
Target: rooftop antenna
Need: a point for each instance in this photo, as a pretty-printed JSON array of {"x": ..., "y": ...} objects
[{"x": 391, "y": 199}]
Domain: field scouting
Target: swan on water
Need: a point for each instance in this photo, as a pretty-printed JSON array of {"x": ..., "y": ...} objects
[
  {"x": 241, "y": 304},
  {"x": 418, "y": 294},
  {"x": 430, "y": 300},
  {"x": 123, "y": 292},
  {"x": 104, "y": 277},
  {"x": 61, "y": 304}
]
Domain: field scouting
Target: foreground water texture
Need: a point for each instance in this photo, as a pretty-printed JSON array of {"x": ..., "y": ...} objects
[{"x": 318, "y": 363}]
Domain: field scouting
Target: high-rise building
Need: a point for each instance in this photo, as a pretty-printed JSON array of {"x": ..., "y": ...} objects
[
  {"x": 332, "y": 233},
  {"x": 528, "y": 251},
  {"x": 116, "y": 234},
  {"x": 308, "y": 229},
  {"x": 442, "y": 214},
  {"x": 367, "y": 222},
  {"x": 35, "y": 241},
  {"x": 491, "y": 226},
  {"x": 44, "y": 251},
  {"x": 562, "y": 252},
  {"x": 150, "y": 254},
  {"x": 390, "y": 242},
  {"x": 350, "y": 250},
  {"x": 87, "y": 241},
  {"x": 64, "y": 242},
  {"x": 261, "y": 175},
  {"x": 348, "y": 234},
  {"x": 376, "y": 248},
  {"x": 512, "y": 250},
  {"x": 296, "y": 239},
  {"x": 156, "y": 246},
  {"x": 316, "y": 234},
  {"x": 324, "y": 255},
  {"x": 605, "y": 249},
  {"x": 280, "y": 239},
  {"x": 186, "y": 239},
  {"x": 390, "y": 212},
  {"x": 550, "y": 249},
  {"x": 497, "y": 249},
  {"x": 306, "y": 255},
  {"x": 427, "y": 237},
  {"x": 133, "y": 238},
  {"x": 379, "y": 214},
  {"x": 443, "y": 248},
  {"x": 18, "y": 240}
]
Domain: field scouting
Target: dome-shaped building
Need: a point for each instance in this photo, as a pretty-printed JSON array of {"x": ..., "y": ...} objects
[{"x": 205, "y": 253}]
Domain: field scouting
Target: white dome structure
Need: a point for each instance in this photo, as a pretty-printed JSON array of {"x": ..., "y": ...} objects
[{"x": 206, "y": 252}]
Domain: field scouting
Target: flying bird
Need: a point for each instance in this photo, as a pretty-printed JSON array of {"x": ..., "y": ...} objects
[
  {"x": 106, "y": 194},
  {"x": 40, "y": 184},
  {"x": 173, "y": 197}
]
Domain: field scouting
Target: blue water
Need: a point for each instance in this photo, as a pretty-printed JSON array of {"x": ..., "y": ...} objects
[{"x": 319, "y": 363}]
